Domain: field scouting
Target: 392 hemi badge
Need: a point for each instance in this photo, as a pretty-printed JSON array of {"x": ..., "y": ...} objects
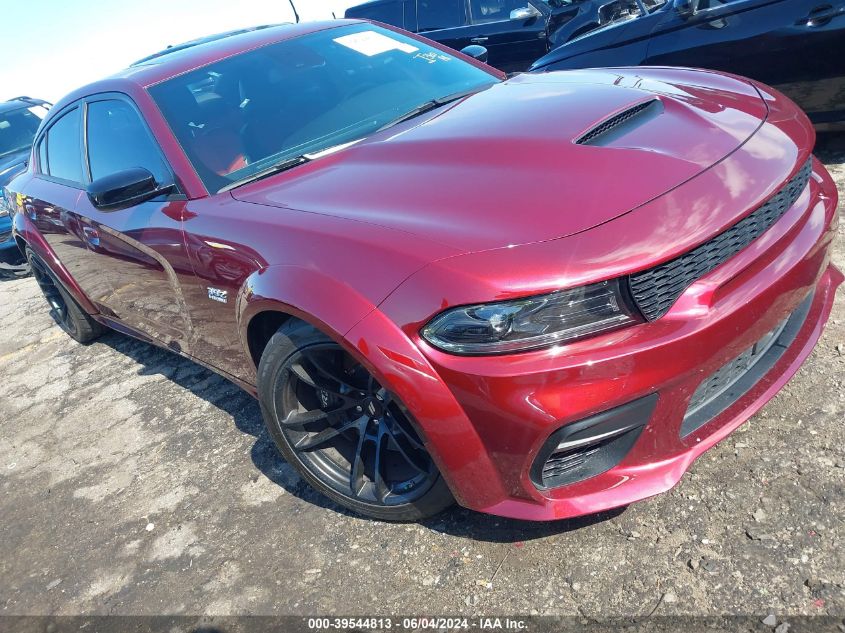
[{"x": 221, "y": 296}]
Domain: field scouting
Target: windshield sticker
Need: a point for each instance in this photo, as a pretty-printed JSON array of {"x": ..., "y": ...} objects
[
  {"x": 370, "y": 43},
  {"x": 433, "y": 57}
]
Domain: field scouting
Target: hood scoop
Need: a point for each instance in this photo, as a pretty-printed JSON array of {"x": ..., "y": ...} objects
[{"x": 620, "y": 124}]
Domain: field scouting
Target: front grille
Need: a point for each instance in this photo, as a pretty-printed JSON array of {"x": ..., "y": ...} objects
[
  {"x": 734, "y": 379},
  {"x": 655, "y": 290}
]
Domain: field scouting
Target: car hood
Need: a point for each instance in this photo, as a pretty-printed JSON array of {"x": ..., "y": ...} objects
[{"x": 503, "y": 167}]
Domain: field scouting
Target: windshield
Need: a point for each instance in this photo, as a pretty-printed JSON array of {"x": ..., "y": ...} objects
[
  {"x": 18, "y": 128},
  {"x": 240, "y": 116}
]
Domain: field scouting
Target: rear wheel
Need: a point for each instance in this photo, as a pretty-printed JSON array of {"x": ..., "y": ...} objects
[
  {"x": 63, "y": 307},
  {"x": 348, "y": 436}
]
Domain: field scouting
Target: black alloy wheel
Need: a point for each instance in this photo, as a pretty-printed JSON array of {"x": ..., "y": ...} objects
[{"x": 349, "y": 436}]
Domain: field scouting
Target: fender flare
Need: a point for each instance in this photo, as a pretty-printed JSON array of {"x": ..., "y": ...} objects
[{"x": 309, "y": 295}]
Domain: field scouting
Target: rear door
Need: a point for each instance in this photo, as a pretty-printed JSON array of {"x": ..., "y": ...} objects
[
  {"x": 58, "y": 184},
  {"x": 720, "y": 35},
  {"x": 513, "y": 44},
  {"x": 797, "y": 46},
  {"x": 139, "y": 250}
]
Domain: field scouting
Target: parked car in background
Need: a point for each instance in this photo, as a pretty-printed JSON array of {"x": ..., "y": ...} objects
[
  {"x": 514, "y": 32},
  {"x": 796, "y": 46},
  {"x": 542, "y": 296},
  {"x": 19, "y": 121}
]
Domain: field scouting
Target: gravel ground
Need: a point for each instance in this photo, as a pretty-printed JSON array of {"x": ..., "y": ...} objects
[{"x": 134, "y": 482}]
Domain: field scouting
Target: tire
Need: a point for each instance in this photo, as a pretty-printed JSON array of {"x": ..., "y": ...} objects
[
  {"x": 64, "y": 309},
  {"x": 348, "y": 437}
]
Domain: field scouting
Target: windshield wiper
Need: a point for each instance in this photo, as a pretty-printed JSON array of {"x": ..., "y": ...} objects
[
  {"x": 430, "y": 105},
  {"x": 288, "y": 163}
]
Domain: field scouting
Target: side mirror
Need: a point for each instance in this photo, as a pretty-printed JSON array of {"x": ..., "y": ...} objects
[
  {"x": 525, "y": 13},
  {"x": 476, "y": 52},
  {"x": 685, "y": 8},
  {"x": 125, "y": 189}
]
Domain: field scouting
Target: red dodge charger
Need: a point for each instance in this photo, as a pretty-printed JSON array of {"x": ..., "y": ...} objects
[{"x": 541, "y": 297}]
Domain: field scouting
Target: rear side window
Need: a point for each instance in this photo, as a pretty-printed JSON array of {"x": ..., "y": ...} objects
[
  {"x": 64, "y": 148},
  {"x": 494, "y": 10},
  {"x": 388, "y": 12},
  {"x": 434, "y": 15},
  {"x": 118, "y": 140}
]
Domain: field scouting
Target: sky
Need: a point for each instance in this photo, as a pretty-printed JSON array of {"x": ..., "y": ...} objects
[{"x": 60, "y": 45}]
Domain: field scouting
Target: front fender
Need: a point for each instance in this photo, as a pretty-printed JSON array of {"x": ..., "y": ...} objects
[{"x": 450, "y": 437}]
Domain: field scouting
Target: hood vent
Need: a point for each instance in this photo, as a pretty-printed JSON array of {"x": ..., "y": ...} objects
[{"x": 620, "y": 124}]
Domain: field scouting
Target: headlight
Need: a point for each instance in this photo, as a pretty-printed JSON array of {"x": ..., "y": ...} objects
[{"x": 524, "y": 324}]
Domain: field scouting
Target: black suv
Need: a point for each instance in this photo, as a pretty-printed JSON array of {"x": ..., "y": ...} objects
[
  {"x": 514, "y": 32},
  {"x": 19, "y": 121}
]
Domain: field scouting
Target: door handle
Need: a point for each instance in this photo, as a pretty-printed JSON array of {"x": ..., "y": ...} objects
[
  {"x": 820, "y": 16},
  {"x": 92, "y": 235},
  {"x": 479, "y": 40}
]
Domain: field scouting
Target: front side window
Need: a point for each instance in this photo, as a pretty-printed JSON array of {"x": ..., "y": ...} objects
[
  {"x": 64, "y": 147},
  {"x": 434, "y": 15},
  {"x": 118, "y": 140},
  {"x": 494, "y": 10},
  {"x": 242, "y": 115},
  {"x": 17, "y": 129},
  {"x": 704, "y": 5}
]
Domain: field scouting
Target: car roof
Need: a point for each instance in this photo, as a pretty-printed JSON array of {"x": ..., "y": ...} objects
[{"x": 208, "y": 50}]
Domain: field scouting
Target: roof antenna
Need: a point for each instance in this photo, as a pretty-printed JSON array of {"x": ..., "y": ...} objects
[{"x": 296, "y": 15}]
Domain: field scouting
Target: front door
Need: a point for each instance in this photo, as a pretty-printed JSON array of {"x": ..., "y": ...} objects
[
  {"x": 797, "y": 46},
  {"x": 138, "y": 250},
  {"x": 514, "y": 43},
  {"x": 446, "y": 22}
]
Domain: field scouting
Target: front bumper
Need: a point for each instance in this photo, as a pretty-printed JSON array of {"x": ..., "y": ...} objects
[{"x": 486, "y": 419}]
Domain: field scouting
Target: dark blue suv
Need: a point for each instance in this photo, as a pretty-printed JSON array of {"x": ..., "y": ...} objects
[{"x": 19, "y": 121}]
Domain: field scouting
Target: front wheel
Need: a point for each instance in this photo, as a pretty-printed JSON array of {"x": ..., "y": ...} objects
[{"x": 347, "y": 435}]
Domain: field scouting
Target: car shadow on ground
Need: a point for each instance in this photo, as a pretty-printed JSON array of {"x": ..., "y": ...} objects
[{"x": 246, "y": 414}]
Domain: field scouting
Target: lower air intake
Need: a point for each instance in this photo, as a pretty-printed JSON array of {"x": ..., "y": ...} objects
[{"x": 587, "y": 448}]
